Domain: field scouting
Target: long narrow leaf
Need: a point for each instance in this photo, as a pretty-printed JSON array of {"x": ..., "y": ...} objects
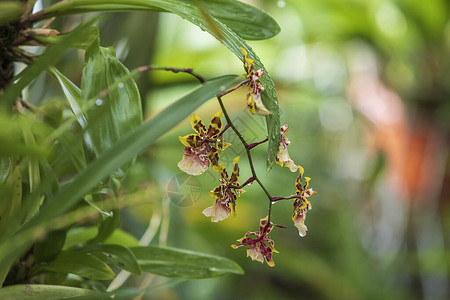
[
  {"x": 41, "y": 292},
  {"x": 179, "y": 263},
  {"x": 79, "y": 263}
]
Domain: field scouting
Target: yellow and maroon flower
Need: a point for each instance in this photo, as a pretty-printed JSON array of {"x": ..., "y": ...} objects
[
  {"x": 225, "y": 194},
  {"x": 302, "y": 204},
  {"x": 254, "y": 102},
  {"x": 283, "y": 157},
  {"x": 260, "y": 246},
  {"x": 202, "y": 148}
]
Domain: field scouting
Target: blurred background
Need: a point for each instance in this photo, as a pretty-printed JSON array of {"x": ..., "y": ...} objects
[{"x": 364, "y": 87}]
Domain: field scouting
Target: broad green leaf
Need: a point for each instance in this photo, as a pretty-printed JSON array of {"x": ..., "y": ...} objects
[
  {"x": 51, "y": 55},
  {"x": 120, "y": 256},
  {"x": 123, "y": 238},
  {"x": 41, "y": 292},
  {"x": 106, "y": 227},
  {"x": 129, "y": 293},
  {"x": 129, "y": 146},
  {"x": 48, "y": 249},
  {"x": 79, "y": 263},
  {"x": 247, "y": 21},
  {"x": 81, "y": 235},
  {"x": 120, "y": 110},
  {"x": 10, "y": 10},
  {"x": 171, "y": 262},
  {"x": 217, "y": 27}
]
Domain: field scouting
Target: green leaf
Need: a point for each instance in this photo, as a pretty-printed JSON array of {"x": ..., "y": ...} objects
[
  {"x": 220, "y": 27},
  {"x": 123, "y": 238},
  {"x": 106, "y": 227},
  {"x": 41, "y": 292},
  {"x": 51, "y": 55},
  {"x": 171, "y": 262},
  {"x": 79, "y": 263},
  {"x": 72, "y": 93},
  {"x": 247, "y": 21},
  {"x": 5, "y": 164},
  {"x": 81, "y": 235},
  {"x": 11, "y": 191},
  {"x": 11, "y": 132},
  {"x": 48, "y": 249},
  {"x": 34, "y": 177},
  {"x": 118, "y": 255},
  {"x": 10, "y": 10},
  {"x": 120, "y": 110},
  {"x": 128, "y": 147}
]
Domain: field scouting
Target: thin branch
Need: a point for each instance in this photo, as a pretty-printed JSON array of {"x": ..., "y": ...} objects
[
  {"x": 245, "y": 144},
  {"x": 276, "y": 199},
  {"x": 174, "y": 70},
  {"x": 253, "y": 145}
]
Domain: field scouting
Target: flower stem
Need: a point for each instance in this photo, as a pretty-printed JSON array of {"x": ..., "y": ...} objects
[
  {"x": 253, "y": 145},
  {"x": 229, "y": 124},
  {"x": 224, "y": 129},
  {"x": 276, "y": 199},
  {"x": 247, "y": 149},
  {"x": 174, "y": 70},
  {"x": 234, "y": 88}
]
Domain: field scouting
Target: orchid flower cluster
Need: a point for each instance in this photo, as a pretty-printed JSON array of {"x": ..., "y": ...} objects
[{"x": 202, "y": 151}]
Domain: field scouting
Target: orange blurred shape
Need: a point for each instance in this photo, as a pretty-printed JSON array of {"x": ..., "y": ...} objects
[{"x": 415, "y": 150}]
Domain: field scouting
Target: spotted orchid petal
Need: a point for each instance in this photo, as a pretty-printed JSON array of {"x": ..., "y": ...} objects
[
  {"x": 261, "y": 247},
  {"x": 249, "y": 64},
  {"x": 198, "y": 125},
  {"x": 213, "y": 155},
  {"x": 235, "y": 174},
  {"x": 302, "y": 204},
  {"x": 218, "y": 192},
  {"x": 215, "y": 125},
  {"x": 191, "y": 140},
  {"x": 221, "y": 145}
]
